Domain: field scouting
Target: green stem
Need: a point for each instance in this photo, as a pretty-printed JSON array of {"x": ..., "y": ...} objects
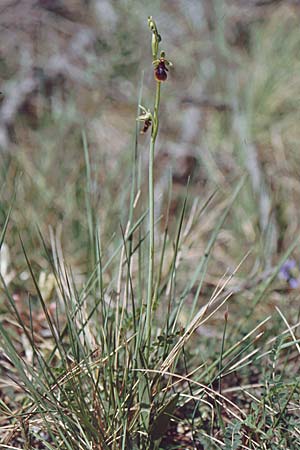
[{"x": 151, "y": 218}]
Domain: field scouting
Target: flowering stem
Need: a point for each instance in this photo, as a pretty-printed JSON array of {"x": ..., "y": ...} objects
[{"x": 151, "y": 217}]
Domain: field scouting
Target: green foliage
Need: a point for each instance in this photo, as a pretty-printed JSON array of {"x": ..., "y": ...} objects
[
  {"x": 161, "y": 422},
  {"x": 232, "y": 436}
]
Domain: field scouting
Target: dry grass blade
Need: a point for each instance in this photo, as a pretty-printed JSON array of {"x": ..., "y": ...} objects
[{"x": 199, "y": 319}]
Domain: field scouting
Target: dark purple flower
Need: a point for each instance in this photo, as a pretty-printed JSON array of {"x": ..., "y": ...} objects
[{"x": 289, "y": 272}]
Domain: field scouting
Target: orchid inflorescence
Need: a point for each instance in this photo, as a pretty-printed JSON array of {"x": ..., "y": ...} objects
[{"x": 161, "y": 64}]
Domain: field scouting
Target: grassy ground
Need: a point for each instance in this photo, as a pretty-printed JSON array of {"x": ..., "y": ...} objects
[{"x": 203, "y": 353}]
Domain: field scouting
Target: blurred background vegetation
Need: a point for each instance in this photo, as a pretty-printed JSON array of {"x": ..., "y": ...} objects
[{"x": 230, "y": 107}]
